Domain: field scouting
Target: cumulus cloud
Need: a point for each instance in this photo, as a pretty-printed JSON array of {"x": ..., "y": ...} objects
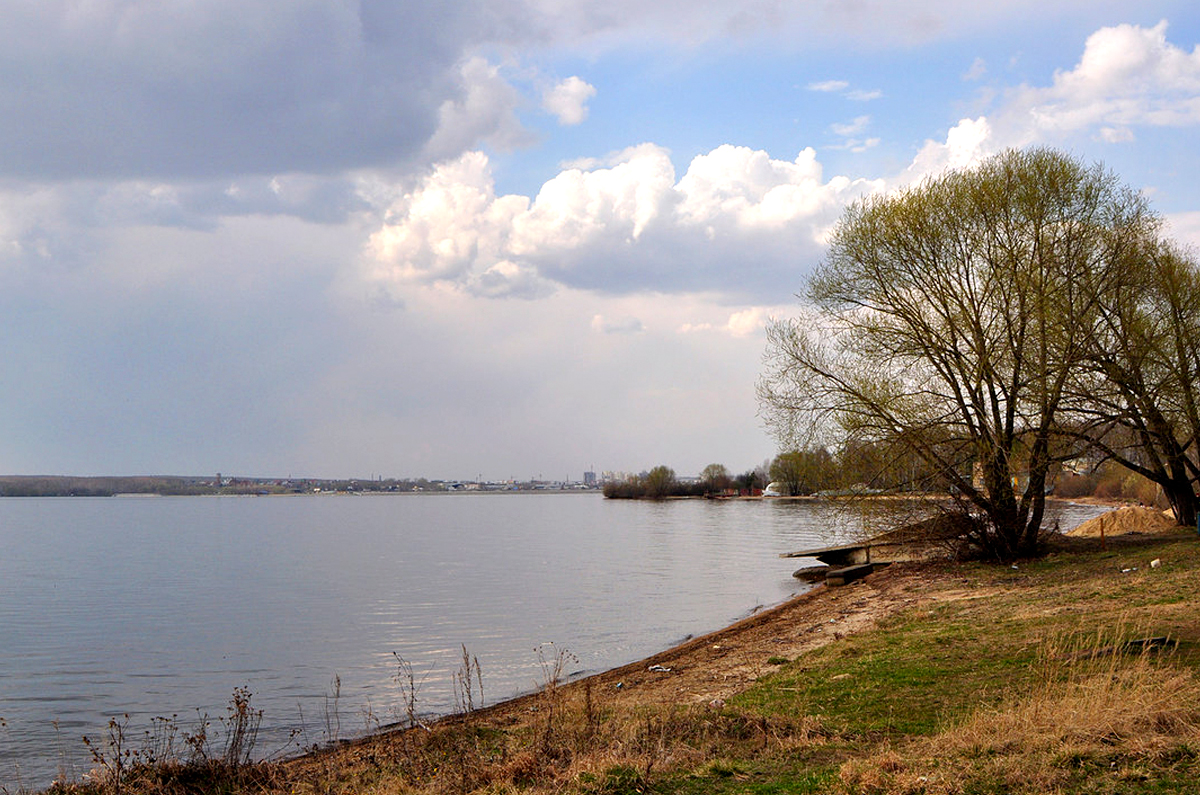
[
  {"x": 737, "y": 219},
  {"x": 966, "y": 144},
  {"x": 484, "y": 112},
  {"x": 450, "y": 222},
  {"x": 734, "y": 187},
  {"x": 567, "y": 100},
  {"x": 617, "y": 202},
  {"x": 746, "y": 322},
  {"x": 508, "y": 279},
  {"x": 828, "y": 86},
  {"x": 1128, "y": 76},
  {"x": 741, "y": 324}
]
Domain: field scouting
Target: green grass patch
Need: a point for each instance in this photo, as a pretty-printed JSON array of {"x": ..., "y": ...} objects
[
  {"x": 909, "y": 678},
  {"x": 752, "y": 777}
]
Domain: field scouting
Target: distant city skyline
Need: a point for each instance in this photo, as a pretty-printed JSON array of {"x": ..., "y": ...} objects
[{"x": 447, "y": 240}]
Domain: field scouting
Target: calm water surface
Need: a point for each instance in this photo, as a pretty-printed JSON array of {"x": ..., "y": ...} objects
[{"x": 161, "y": 607}]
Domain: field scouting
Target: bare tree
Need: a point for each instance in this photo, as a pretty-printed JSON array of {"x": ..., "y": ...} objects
[
  {"x": 803, "y": 471},
  {"x": 716, "y": 477},
  {"x": 659, "y": 481},
  {"x": 1137, "y": 399},
  {"x": 947, "y": 321}
]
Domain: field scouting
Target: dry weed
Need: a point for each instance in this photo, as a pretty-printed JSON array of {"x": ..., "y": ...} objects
[
  {"x": 1102, "y": 702},
  {"x": 1099, "y": 690}
]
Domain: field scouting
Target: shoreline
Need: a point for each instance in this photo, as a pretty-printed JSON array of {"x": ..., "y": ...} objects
[
  {"x": 699, "y": 672},
  {"x": 892, "y": 683},
  {"x": 718, "y": 664}
]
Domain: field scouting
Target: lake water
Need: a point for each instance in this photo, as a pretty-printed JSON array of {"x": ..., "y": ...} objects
[{"x": 162, "y": 606}]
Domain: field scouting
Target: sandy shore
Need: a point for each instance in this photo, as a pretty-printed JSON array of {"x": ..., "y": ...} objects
[
  {"x": 710, "y": 667},
  {"x": 727, "y": 661},
  {"x": 720, "y": 664}
]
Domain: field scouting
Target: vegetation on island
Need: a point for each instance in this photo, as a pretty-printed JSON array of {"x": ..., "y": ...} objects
[{"x": 661, "y": 482}]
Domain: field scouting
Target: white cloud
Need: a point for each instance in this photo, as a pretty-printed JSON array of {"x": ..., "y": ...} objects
[
  {"x": 451, "y": 221},
  {"x": 508, "y": 279},
  {"x": 567, "y": 101},
  {"x": 829, "y": 86},
  {"x": 1116, "y": 135},
  {"x": 1128, "y": 76},
  {"x": 745, "y": 188},
  {"x": 967, "y": 143},
  {"x": 625, "y": 225},
  {"x": 485, "y": 111},
  {"x": 1185, "y": 228},
  {"x": 976, "y": 71},
  {"x": 576, "y": 207},
  {"x": 740, "y": 324},
  {"x": 858, "y": 145},
  {"x": 836, "y": 86},
  {"x": 852, "y": 128}
]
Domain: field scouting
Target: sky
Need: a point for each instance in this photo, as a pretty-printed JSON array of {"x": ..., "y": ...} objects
[{"x": 493, "y": 238}]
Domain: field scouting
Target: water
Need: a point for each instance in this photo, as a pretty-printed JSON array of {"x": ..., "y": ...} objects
[{"x": 161, "y": 607}]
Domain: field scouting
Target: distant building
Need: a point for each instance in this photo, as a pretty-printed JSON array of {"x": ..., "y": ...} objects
[{"x": 589, "y": 478}]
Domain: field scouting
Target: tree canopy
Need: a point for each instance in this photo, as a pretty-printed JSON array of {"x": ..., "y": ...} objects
[{"x": 957, "y": 321}]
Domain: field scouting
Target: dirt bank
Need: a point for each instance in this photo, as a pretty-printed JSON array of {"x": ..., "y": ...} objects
[{"x": 700, "y": 671}]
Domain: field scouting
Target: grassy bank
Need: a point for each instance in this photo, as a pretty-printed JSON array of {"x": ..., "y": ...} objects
[{"x": 1073, "y": 674}]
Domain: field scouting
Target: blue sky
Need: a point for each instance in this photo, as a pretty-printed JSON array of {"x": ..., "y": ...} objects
[{"x": 514, "y": 238}]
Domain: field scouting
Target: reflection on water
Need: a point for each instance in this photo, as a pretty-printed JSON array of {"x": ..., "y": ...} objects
[{"x": 162, "y": 607}]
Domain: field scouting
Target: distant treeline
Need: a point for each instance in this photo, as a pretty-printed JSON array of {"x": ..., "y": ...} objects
[
  {"x": 870, "y": 469},
  {"x": 108, "y": 486},
  {"x": 661, "y": 482},
  {"x": 55, "y": 486}
]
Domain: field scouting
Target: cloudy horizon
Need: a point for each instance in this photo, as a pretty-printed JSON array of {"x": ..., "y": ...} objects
[{"x": 521, "y": 239}]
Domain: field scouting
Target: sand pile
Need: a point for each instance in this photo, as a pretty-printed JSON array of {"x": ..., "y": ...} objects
[{"x": 1126, "y": 520}]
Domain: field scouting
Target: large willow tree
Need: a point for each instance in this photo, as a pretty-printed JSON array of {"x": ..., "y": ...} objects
[
  {"x": 948, "y": 320},
  {"x": 1137, "y": 400}
]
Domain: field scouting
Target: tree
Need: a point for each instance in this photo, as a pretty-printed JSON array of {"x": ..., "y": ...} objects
[
  {"x": 1138, "y": 398},
  {"x": 750, "y": 480},
  {"x": 788, "y": 471},
  {"x": 946, "y": 321},
  {"x": 803, "y": 471},
  {"x": 659, "y": 482},
  {"x": 715, "y": 477}
]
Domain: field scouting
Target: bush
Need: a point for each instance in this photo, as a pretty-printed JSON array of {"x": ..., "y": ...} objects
[{"x": 1072, "y": 485}]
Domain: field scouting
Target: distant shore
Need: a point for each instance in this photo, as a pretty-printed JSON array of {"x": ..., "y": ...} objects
[{"x": 189, "y": 486}]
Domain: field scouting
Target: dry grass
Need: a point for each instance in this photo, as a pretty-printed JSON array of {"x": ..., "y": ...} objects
[
  {"x": 588, "y": 739},
  {"x": 1102, "y": 707}
]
